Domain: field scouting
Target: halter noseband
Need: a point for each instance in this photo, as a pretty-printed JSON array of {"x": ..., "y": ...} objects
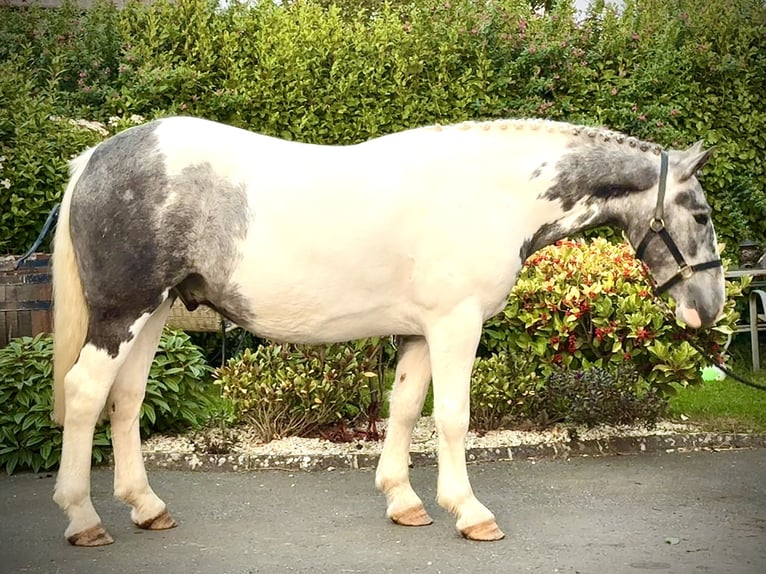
[{"x": 657, "y": 227}]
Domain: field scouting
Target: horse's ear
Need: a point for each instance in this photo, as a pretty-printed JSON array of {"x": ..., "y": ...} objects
[{"x": 692, "y": 160}]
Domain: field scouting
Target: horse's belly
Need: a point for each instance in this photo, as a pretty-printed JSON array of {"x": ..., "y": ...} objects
[{"x": 300, "y": 316}]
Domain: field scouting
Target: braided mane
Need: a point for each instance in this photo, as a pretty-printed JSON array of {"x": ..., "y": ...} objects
[{"x": 586, "y": 135}]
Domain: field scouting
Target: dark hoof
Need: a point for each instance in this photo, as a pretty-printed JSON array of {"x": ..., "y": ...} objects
[
  {"x": 93, "y": 536},
  {"x": 161, "y": 522}
]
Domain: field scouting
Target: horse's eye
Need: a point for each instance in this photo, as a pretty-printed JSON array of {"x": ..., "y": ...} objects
[{"x": 701, "y": 218}]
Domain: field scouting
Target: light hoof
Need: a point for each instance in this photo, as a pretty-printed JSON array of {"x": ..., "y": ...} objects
[
  {"x": 93, "y": 536},
  {"x": 162, "y": 522},
  {"x": 413, "y": 516},
  {"x": 486, "y": 531}
]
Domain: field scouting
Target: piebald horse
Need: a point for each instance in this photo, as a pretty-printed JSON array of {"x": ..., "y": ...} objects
[{"x": 419, "y": 234}]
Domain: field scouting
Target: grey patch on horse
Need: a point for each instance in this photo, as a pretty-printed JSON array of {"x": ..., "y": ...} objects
[
  {"x": 599, "y": 172},
  {"x": 689, "y": 200},
  {"x": 132, "y": 244},
  {"x": 538, "y": 170},
  {"x": 545, "y": 235}
]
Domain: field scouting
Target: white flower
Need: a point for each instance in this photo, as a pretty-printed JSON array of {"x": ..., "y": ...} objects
[
  {"x": 90, "y": 125},
  {"x": 6, "y": 183}
]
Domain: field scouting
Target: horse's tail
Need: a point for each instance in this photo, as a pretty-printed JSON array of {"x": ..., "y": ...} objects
[{"x": 70, "y": 311}]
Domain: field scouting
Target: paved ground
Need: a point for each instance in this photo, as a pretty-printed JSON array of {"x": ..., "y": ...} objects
[{"x": 677, "y": 513}]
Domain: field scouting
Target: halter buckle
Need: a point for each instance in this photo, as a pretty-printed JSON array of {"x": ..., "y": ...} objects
[
  {"x": 656, "y": 224},
  {"x": 686, "y": 271}
]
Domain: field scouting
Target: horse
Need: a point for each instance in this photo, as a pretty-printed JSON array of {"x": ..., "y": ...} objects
[{"x": 419, "y": 234}]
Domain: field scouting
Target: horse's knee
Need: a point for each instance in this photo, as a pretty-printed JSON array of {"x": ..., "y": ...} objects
[{"x": 452, "y": 420}]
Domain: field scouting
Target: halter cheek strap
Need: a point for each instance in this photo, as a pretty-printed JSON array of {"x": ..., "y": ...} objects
[{"x": 657, "y": 228}]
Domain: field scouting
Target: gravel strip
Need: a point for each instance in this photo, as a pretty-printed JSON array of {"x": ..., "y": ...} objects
[{"x": 239, "y": 449}]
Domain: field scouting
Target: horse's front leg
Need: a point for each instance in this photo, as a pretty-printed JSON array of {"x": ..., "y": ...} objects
[
  {"x": 452, "y": 342},
  {"x": 413, "y": 372}
]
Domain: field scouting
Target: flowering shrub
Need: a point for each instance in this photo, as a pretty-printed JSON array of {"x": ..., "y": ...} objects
[{"x": 583, "y": 304}]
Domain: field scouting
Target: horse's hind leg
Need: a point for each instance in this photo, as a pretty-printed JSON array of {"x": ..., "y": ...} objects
[
  {"x": 452, "y": 341},
  {"x": 86, "y": 388},
  {"x": 413, "y": 372},
  {"x": 130, "y": 482}
]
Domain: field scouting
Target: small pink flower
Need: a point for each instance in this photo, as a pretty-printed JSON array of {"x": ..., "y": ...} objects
[
  {"x": 642, "y": 118},
  {"x": 614, "y": 91}
]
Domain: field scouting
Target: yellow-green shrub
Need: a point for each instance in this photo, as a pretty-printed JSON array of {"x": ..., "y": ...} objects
[{"x": 284, "y": 390}]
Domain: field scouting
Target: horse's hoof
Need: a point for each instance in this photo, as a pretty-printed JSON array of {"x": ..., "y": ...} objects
[
  {"x": 413, "y": 516},
  {"x": 93, "y": 536},
  {"x": 161, "y": 522},
  {"x": 486, "y": 531}
]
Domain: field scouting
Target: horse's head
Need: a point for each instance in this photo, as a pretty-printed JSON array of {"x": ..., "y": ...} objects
[{"x": 673, "y": 234}]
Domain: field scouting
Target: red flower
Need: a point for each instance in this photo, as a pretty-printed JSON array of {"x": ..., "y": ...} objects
[
  {"x": 642, "y": 334},
  {"x": 599, "y": 333}
]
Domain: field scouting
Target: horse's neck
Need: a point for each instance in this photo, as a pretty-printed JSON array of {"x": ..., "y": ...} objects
[{"x": 593, "y": 187}]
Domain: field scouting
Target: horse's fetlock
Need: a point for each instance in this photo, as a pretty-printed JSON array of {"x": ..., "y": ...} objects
[
  {"x": 66, "y": 496},
  {"x": 389, "y": 483},
  {"x": 126, "y": 495}
]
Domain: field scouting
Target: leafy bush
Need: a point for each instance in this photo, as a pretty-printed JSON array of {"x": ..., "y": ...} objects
[
  {"x": 583, "y": 304},
  {"x": 28, "y": 436},
  {"x": 507, "y": 390},
  {"x": 503, "y": 388},
  {"x": 294, "y": 389},
  {"x": 599, "y": 396},
  {"x": 178, "y": 391},
  {"x": 175, "y": 399}
]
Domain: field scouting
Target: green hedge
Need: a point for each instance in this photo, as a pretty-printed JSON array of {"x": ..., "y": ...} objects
[{"x": 673, "y": 71}]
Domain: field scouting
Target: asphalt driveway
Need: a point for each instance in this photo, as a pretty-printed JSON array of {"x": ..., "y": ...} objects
[{"x": 677, "y": 513}]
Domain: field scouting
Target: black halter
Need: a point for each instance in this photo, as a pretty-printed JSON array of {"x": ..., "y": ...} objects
[{"x": 657, "y": 227}]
